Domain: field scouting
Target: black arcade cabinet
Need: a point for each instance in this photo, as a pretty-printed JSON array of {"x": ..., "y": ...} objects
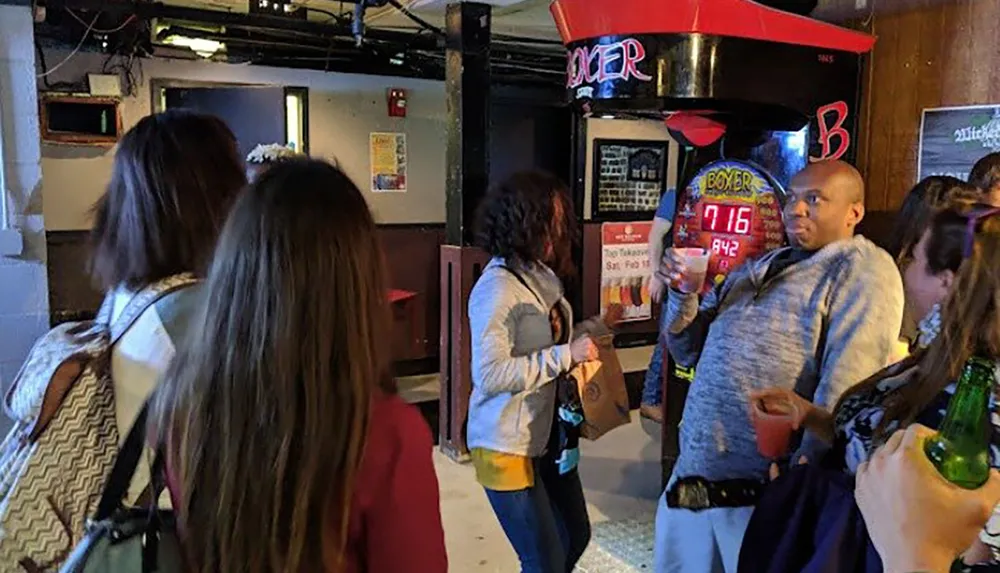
[{"x": 753, "y": 93}]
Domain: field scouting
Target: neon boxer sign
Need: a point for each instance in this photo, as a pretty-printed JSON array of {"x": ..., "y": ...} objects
[{"x": 603, "y": 62}]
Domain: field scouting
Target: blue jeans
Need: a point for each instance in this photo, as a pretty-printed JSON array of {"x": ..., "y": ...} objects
[
  {"x": 652, "y": 387},
  {"x": 547, "y": 523}
]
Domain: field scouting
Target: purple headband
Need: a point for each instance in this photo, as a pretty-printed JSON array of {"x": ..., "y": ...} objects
[{"x": 970, "y": 228}]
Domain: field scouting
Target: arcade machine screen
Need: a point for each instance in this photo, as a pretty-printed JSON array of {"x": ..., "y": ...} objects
[{"x": 733, "y": 210}]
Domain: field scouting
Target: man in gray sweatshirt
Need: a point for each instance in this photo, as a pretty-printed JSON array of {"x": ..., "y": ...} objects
[{"x": 818, "y": 316}]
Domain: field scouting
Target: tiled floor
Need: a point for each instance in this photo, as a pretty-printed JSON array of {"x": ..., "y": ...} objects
[
  {"x": 620, "y": 474},
  {"x": 621, "y": 480},
  {"x": 624, "y": 546}
]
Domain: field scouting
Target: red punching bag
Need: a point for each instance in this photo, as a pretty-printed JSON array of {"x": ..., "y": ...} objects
[{"x": 694, "y": 128}]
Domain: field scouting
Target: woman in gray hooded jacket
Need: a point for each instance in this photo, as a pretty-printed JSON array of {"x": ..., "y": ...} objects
[{"x": 522, "y": 431}]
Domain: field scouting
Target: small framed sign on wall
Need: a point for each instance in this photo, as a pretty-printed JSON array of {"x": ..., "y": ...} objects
[
  {"x": 952, "y": 139},
  {"x": 628, "y": 179}
]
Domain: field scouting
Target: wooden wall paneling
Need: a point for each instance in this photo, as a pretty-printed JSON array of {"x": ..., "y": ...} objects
[
  {"x": 993, "y": 16},
  {"x": 983, "y": 24},
  {"x": 72, "y": 294},
  {"x": 995, "y": 56},
  {"x": 460, "y": 269},
  {"x": 863, "y": 140},
  {"x": 958, "y": 79},
  {"x": 958, "y": 42},
  {"x": 905, "y": 116},
  {"x": 413, "y": 259},
  {"x": 881, "y": 88},
  {"x": 949, "y": 53},
  {"x": 933, "y": 55},
  {"x": 932, "y": 35}
]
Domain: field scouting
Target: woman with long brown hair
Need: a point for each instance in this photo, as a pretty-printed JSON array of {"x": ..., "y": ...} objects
[
  {"x": 927, "y": 198},
  {"x": 174, "y": 177},
  {"x": 807, "y": 519},
  {"x": 288, "y": 449}
]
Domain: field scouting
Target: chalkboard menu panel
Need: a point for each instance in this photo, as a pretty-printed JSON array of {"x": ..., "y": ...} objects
[{"x": 952, "y": 139}]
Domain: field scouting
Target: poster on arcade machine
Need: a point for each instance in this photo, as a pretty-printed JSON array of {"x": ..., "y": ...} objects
[
  {"x": 625, "y": 269},
  {"x": 732, "y": 209}
]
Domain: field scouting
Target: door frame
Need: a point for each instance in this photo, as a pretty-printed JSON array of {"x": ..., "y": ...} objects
[{"x": 159, "y": 86}]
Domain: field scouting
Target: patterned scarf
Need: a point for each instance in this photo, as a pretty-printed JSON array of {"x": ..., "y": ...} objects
[{"x": 929, "y": 327}]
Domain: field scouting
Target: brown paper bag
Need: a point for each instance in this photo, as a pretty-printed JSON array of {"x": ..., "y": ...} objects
[{"x": 602, "y": 391}]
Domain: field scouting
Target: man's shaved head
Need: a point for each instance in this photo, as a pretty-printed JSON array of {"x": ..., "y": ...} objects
[
  {"x": 825, "y": 203},
  {"x": 838, "y": 176}
]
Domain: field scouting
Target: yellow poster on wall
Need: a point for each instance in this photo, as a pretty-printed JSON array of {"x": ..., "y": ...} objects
[{"x": 387, "y": 152}]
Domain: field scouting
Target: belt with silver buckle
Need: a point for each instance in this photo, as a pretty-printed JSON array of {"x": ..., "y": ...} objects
[{"x": 695, "y": 493}]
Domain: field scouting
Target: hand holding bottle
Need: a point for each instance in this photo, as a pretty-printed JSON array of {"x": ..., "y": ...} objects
[
  {"x": 960, "y": 449},
  {"x": 917, "y": 520}
]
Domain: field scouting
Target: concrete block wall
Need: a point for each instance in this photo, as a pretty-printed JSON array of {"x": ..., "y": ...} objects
[{"x": 24, "y": 307}]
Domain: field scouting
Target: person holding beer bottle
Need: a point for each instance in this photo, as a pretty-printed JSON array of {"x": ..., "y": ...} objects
[
  {"x": 954, "y": 280},
  {"x": 917, "y": 520}
]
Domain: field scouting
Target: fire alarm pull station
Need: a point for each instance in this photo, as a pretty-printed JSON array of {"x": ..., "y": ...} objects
[{"x": 397, "y": 102}]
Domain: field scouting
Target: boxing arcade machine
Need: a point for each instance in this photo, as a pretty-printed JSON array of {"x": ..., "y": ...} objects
[{"x": 752, "y": 92}]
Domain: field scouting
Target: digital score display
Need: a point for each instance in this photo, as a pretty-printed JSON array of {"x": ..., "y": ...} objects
[
  {"x": 720, "y": 218},
  {"x": 732, "y": 209}
]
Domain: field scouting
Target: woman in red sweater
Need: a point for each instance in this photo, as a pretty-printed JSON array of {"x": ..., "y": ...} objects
[{"x": 288, "y": 449}]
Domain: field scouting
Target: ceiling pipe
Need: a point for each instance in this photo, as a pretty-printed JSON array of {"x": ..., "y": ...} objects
[
  {"x": 149, "y": 10},
  {"x": 544, "y": 59}
]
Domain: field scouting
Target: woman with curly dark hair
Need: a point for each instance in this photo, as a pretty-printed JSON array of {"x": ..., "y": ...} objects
[{"x": 523, "y": 422}]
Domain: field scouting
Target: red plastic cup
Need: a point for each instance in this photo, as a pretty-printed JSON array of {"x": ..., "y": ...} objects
[{"x": 773, "y": 419}]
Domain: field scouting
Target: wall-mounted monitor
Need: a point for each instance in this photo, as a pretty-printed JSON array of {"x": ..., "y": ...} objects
[{"x": 80, "y": 120}]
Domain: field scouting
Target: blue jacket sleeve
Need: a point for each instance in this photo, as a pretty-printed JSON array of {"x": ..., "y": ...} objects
[{"x": 687, "y": 322}]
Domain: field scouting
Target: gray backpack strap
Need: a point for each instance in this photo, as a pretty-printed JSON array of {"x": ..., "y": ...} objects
[
  {"x": 103, "y": 316},
  {"x": 146, "y": 298}
]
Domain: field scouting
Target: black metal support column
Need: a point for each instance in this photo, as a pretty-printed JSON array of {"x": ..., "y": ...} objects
[
  {"x": 467, "y": 83},
  {"x": 578, "y": 186}
]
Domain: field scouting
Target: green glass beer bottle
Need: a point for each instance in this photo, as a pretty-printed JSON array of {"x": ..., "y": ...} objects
[{"x": 960, "y": 449}]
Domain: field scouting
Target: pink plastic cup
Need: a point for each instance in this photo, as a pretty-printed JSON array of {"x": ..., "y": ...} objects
[
  {"x": 773, "y": 420},
  {"x": 695, "y": 268}
]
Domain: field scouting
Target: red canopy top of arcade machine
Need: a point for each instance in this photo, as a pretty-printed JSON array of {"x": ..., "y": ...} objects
[{"x": 585, "y": 19}]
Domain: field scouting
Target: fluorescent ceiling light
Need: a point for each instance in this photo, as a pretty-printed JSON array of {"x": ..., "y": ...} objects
[{"x": 202, "y": 47}]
